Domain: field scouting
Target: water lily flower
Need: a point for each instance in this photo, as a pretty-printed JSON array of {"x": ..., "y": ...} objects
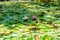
[
  {"x": 6, "y": 36},
  {"x": 13, "y": 25},
  {"x": 34, "y": 17},
  {"x": 14, "y": 35},
  {"x": 25, "y": 18},
  {"x": 1, "y": 38}
]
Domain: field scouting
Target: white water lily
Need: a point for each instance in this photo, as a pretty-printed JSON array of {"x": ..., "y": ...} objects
[
  {"x": 1, "y": 25},
  {"x": 6, "y": 36},
  {"x": 1, "y": 31},
  {"x": 21, "y": 29},
  {"x": 13, "y": 25},
  {"x": 14, "y": 35},
  {"x": 1, "y": 38}
]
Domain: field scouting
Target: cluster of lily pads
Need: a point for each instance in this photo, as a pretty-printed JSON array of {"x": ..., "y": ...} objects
[
  {"x": 18, "y": 12},
  {"x": 14, "y": 14},
  {"x": 15, "y": 36}
]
